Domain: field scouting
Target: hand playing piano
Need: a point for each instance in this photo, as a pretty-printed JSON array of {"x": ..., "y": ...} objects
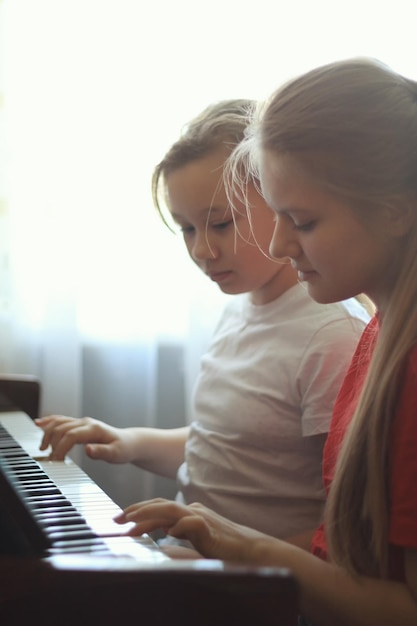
[
  {"x": 158, "y": 450},
  {"x": 212, "y": 535},
  {"x": 102, "y": 441}
]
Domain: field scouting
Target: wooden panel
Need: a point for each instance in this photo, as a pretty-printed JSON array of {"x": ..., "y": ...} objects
[
  {"x": 98, "y": 591},
  {"x": 20, "y": 392}
]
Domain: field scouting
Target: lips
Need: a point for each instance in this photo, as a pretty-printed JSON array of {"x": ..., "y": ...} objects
[
  {"x": 219, "y": 276},
  {"x": 299, "y": 270},
  {"x": 304, "y": 275}
]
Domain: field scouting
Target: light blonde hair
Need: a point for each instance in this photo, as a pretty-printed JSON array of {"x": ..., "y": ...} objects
[
  {"x": 220, "y": 125},
  {"x": 352, "y": 125}
]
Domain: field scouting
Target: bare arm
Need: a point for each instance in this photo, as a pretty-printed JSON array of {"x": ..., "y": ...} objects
[
  {"x": 156, "y": 450},
  {"x": 303, "y": 540},
  {"x": 329, "y": 596}
]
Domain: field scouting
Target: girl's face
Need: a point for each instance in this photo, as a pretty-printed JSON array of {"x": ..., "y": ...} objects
[
  {"x": 231, "y": 249},
  {"x": 337, "y": 255}
]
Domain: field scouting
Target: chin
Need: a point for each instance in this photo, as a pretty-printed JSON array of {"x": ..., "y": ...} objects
[
  {"x": 232, "y": 292},
  {"x": 322, "y": 297}
]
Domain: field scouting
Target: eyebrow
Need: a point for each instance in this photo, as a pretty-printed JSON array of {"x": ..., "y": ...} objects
[
  {"x": 207, "y": 211},
  {"x": 292, "y": 209}
]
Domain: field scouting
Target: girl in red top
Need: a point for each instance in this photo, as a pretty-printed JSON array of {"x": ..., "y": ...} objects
[{"x": 336, "y": 153}]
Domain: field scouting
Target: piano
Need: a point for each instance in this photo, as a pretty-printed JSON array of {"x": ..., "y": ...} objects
[{"x": 64, "y": 561}]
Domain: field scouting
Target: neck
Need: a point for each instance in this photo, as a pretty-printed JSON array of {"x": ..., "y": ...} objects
[{"x": 286, "y": 278}]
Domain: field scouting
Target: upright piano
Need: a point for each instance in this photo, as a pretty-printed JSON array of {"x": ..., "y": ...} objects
[{"x": 64, "y": 561}]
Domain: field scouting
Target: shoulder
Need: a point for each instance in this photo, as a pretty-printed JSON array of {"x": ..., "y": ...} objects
[
  {"x": 339, "y": 322},
  {"x": 347, "y": 311},
  {"x": 303, "y": 305}
]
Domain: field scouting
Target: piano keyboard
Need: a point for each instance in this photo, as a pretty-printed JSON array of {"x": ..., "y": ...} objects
[
  {"x": 63, "y": 510},
  {"x": 82, "y": 555}
]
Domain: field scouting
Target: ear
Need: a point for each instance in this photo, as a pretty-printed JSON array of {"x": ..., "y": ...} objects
[{"x": 400, "y": 217}]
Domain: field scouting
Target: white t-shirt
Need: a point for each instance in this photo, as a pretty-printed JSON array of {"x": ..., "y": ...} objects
[{"x": 267, "y": 385}]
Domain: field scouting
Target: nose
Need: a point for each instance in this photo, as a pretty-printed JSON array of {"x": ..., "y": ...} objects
[
  {"x": 202, "y": 248},
  {"x": 284, "y": 242}
]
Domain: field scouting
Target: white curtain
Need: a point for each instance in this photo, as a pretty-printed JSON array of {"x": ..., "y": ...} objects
[{"x": 97, "y": 297}]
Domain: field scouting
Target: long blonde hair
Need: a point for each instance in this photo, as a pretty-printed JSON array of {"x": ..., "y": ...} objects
[{"x": 352, "y": 125}]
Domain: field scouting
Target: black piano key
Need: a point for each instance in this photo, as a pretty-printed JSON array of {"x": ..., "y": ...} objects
[
  {"x": 60, "y": 521},
  {"x": 48, "y": 503},
  {"x": 45, "y": 514},
  {"x": 74, "y": 534}
]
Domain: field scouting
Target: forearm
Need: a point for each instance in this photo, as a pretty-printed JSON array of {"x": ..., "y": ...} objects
[
  {"x": 158, "y": 450},
  {"x": 302, "y": 540},
  {"x": 329, "y": 596}
]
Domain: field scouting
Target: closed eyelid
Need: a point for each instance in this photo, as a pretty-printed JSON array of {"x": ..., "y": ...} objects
[
  {"x": 296, "y": 220},
  {"x": 203, "y": 228},
  {"x": 184, "y": 227},
  {"x": 203, "y": 217},
  {"x": 222, "y": 224},
  {"x": 297, "y": 216},
  {"x": 305, "y": 226}
]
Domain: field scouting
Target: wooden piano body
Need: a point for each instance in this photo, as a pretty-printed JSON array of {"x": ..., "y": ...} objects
[
  {"x": 34, "y": 592},
  {"x": 52, "y": 576}
]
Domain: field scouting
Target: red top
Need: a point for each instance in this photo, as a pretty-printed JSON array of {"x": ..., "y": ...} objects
[{"x": 403, "y": 489}]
